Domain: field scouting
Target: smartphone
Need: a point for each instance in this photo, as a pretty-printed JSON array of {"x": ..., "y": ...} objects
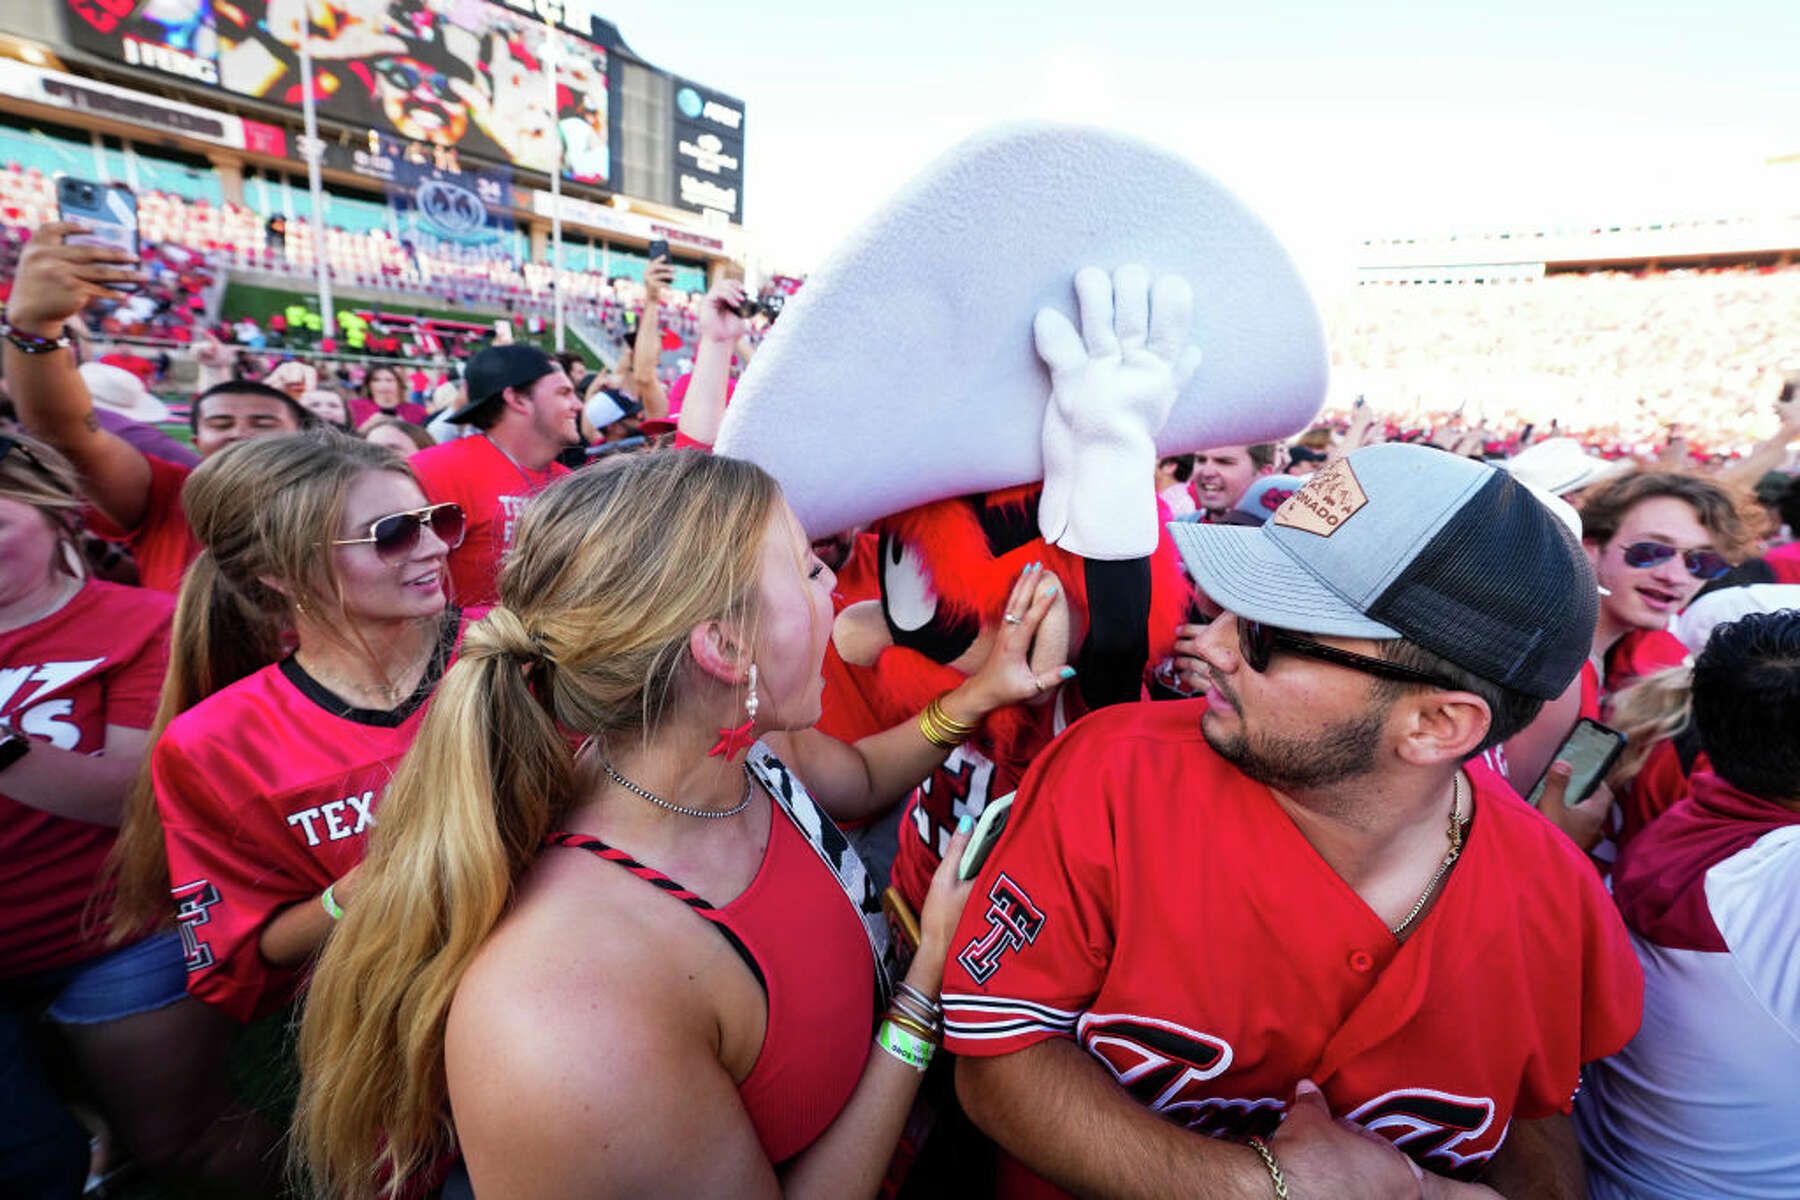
[
  {"x": 659, "y": 249},
  {"x": 750, "y": 306},
  {"x": 109, "y": 210},
  {"x": 988, "y": 828},
  {"x": 1591, "y": 748}
]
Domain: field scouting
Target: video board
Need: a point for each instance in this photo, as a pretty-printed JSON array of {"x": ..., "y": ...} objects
[
  {"x": 475, "y": 75},
  {"x": 707, "y": 168}
]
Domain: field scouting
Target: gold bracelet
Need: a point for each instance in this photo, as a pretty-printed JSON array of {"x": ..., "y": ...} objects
[
  {"x": 912, "y": 1026},
  {"x": 942, "y": 729},
  {"x": 1268, "y": 1157},
  {"x": 945, "y": 724}
]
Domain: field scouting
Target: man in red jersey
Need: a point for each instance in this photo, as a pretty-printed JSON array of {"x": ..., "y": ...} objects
[
  {"x": 137, "y": 497},
  {"x": 525, "y": 412},
  {"x": 1246, "y": 915}
]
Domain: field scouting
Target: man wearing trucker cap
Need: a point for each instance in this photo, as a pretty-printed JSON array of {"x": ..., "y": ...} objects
[
  {"x": 1282, "y": 915},
  {"x": 527, "y": 412}
]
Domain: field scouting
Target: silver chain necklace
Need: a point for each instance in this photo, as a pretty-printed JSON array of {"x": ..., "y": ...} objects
[
  {"x": 711, "y": 814},
  {"x": 1443, "y": 867}
]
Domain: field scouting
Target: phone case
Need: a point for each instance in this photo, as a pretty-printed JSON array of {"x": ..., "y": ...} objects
[
  {"x": 988, "y": 828},
  {"x": 109, "y": 209}
]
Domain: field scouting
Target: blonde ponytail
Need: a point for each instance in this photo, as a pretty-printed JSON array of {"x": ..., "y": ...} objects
[
  {"x": 215, "y": 640},
  {"x": 465, "y": 814}
]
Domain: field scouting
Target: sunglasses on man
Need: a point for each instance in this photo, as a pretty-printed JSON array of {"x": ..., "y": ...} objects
[
  {"x": 1257, "y": 642},
  {"x": 396, "y": 535},
  {"x": 1701, "y": 564}
]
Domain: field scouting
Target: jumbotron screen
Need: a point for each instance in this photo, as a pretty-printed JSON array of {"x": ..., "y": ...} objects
[{"x": 472, "y": 74}]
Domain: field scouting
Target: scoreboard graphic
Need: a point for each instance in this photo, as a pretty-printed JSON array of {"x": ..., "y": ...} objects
[{"x": 475, "y": 75}]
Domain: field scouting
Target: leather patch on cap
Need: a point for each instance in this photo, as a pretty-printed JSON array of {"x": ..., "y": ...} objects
[{"x": 1331, "y": 497}]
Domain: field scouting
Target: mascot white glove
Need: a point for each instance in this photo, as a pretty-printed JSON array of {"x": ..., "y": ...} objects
[{"x": 1111, "y": 389}]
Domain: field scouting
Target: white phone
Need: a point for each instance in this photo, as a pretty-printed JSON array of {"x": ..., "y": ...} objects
[{"x": 988, "y": 828}]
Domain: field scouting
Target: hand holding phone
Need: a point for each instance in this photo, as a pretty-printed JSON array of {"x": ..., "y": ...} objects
[
  {"x": 55, "y": 280},
  {"x": 1591, "y": 749}
]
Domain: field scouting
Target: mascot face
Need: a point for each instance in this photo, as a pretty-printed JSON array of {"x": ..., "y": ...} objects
[{"x": 945, "y": 572}]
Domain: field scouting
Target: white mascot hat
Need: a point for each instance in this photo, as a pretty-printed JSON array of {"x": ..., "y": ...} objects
[{"x": 904, "y": 371}]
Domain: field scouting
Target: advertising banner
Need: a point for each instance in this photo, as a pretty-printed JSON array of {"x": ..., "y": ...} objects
[
  {"x": 57, "y": 90},
  {"x": 707, "y": 151},
  {"x": 586, "y": 213},
  {"x": 481, "y": 76}
]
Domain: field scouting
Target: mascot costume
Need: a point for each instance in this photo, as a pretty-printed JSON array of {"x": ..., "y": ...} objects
[{"x": 985, "y": 376}]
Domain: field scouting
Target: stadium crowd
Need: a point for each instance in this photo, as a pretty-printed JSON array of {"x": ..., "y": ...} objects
[{"x": 528, "y": 763}]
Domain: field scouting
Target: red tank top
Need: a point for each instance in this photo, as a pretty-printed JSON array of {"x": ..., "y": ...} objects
[{"x": 798, "y": 934}]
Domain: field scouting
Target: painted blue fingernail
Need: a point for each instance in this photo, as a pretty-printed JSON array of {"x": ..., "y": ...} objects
[
  {"x": 965, "y": 823},
  {"x": 1067, "y": 672},
  {"x": 1053, "y": 589}
]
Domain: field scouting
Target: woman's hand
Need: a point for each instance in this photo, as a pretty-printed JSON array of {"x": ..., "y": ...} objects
[
  {"x": 943, "y": 908},
  {"x": 1007, "y": 676},
  {"x": 55, "y": 280}
]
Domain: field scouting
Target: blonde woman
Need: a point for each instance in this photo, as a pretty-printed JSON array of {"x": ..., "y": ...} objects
[
  {"x": 647, "y": 966},
  {"x": 307, "y": 640}
]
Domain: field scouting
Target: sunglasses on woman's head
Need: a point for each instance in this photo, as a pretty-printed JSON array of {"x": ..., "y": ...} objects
[
  {"x": 1256, "y": 642},
  {"x": 396, "y": 535},
  {"x": 1701, "y": 564}
]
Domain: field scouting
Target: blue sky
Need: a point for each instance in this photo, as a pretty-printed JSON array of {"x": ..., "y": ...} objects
[{"x": 1333, "y": 120}]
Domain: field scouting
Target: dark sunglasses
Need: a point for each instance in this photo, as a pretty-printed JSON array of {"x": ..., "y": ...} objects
[
  {"x": 1256, "y": 642},
  {"x": 406, "y": 76},
  {"x": 1701, "y": 564},
  {"x": 397, "y": 535}
]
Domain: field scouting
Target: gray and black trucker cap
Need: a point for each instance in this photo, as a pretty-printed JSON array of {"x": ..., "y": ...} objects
[{"x": 1405, "y": 541}]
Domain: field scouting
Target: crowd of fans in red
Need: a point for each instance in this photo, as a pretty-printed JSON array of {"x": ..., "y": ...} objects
[{"x": 387, "y": 643}]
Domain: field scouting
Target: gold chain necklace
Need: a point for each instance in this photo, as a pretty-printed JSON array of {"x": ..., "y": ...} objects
[{"x": 1450, "y": 858}]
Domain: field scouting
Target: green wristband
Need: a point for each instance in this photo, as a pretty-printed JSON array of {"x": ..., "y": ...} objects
[
  {"x": 905, "y": 1045},
  {"x": 333, "y": 909}
]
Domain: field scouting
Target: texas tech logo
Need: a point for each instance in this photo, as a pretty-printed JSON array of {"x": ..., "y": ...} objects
[
  {"x": 1448, "y": 1133},
  {"x": 1169, "y": 1069},
  {"x": 959, "y": 789},
  {"x": 192, "y": 900},
  {"x": 1014, "y": 922}
]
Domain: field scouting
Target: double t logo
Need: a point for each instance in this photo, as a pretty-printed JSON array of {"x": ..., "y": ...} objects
[{"x": 1014, "y": 922}]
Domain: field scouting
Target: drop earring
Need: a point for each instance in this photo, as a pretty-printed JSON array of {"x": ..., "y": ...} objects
[{"x": 731, "y": 741}]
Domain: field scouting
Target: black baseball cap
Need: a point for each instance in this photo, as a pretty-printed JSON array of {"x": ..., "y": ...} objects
[{"x": 497, "y": 368}]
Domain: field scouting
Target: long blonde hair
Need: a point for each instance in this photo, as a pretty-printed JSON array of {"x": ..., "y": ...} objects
[
  {"x": 610, "y": 571},
  {"x": 264, "y": 510}
]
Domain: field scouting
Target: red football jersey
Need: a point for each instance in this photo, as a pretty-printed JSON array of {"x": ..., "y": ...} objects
[
  {"x": 973, "y": 774},
  {"x": 1784, "y": 562},
  {"x": 1159, "y": 907},
  {"x": 162, "y": 543},
  {"x": 267, "y": 791},
  {"x": 97, "y": 661},
  {"x": 493, "y": 490}
]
